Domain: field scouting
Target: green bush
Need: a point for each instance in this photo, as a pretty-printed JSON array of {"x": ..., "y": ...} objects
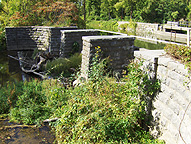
[
  {"x": 103, "y": 25},
  {"x": 123, "y": 28},
  {"x": 2, "y": 39},
  {"x": 129, "y": 28},
  {"x": 8, "y": 96},
  {"x": 179, "y": 52},
  {"x": 38, "y": 101},
  {"x": 98, "y": 111},
  {"x": 103, "y": 111},
  {"x": 63, "y": 65}
]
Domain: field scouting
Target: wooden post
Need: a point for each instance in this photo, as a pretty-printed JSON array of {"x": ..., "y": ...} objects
[{"x": 188, "y": 37}]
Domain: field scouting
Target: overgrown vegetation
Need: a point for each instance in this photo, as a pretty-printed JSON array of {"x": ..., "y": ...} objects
[
  {"x": 98, "y": 111},
  {"x": 110, "y": 25},
  {"x": 63, "y": 66},
  {"x": 2, "y": 39},
  {"x": 128, "y": 28},
  {"x": 179, "y": 52}
]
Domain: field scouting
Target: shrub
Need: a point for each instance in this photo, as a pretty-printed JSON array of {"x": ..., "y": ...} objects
[
  {"x": 99, "y": 111},
  {"x": 102, "y": 111},
  {"x": 104, "y": 25},
  {"x": 47, "y": 12},
  {"x": 129, "y": 28},
  {"x": 2, "y": 39},
  {"x": 179, "y": 52},
  {"x": 123, "y": 28},
  {"x": 63, "y": 65},
  {"x": 38, "y": 101},
  {"x": 8, "y": 96}
]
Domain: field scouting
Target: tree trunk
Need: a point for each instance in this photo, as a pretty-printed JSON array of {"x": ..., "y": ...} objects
[{"x": 84, "y": 6}]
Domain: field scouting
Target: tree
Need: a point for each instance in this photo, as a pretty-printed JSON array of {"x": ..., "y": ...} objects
[
  {"x": 128, "y": 5},
  {"x": 47, "y": 12},
  {"x": 108, "y": 10}
]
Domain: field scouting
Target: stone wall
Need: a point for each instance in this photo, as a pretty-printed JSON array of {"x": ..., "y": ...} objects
[
  {"x": 119, "y": 49},
  {"x": 29, "y": 38},
  {"x": 147, "y": 30},
  {"x": 171, "y": 109},
  {"x": 69, "y": 37}
]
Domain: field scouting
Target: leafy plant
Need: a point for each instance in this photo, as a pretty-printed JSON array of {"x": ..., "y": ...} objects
[
  {"x": 47, "y": 12},
  {"x": 64, "y": 66},
  {"x": 179, "y": 52},
  {"x": 123, "y": 28},
  {"x": 8, "y": 96},
  {"x": 110, "y": 25},
  {"x": 103, "y": 111},
  {"x": 99, "y": 111},
  {"x": 2, "y": 39},
  {"x": 38, "y": 101}
]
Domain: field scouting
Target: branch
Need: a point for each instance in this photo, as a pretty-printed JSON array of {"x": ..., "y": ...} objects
[{"x": 17, "y": 126}]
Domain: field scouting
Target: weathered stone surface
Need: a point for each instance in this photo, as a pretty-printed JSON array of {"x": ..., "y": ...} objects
[
  {"x": 29, "y": 38},
  {"x": 69, "y": 37},
  {"x": 172, "y": 102},
  {"x": 117, "y": 48}
]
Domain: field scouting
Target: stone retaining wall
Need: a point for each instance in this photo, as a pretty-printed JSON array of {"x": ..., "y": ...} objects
[
  {"x": 29, "y": 38},
  {"x": 119, "y": 49},
  {"x": 172, "y": 106}
]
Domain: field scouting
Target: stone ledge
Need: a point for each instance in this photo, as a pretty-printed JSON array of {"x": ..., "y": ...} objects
[{"x": 94, "y": 38}]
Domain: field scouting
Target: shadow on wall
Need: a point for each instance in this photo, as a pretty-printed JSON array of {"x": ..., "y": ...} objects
[{"x": 152, "y": 88}]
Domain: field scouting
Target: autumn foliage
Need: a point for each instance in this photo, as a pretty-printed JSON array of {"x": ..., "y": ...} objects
[{"x": 47, "y": 12}]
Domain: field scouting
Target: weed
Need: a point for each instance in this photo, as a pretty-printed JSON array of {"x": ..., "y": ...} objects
[
  {"x": 104, "y": 25},
  {"x": 99, "y": 111},
  {"x": 179, "y": 52},
  {"x": 103, "y": 111}
]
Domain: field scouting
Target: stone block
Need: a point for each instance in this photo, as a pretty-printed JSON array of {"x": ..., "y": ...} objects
[{"x": 173, "y": 65}]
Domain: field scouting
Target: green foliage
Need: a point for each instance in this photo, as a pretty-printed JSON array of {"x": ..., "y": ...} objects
[
  {"x": 129, "y": 28},
  {"x": 2, "y": 39},
  {"x": 99, "y": 111},
  {"x": 67, "y": 12},
  {"x": 104, "y": 25},
  {"x": 37, "y": 101},
  {"x": 180, "y": 52},
  {"x": 123, "y": 28},
  {"x": 102, "y": 111},
  {"x": 63, "y": 65},
  {"x": 145, "y": 11},
  {"x": 8, "y": 96},
  {"x": 132, "y": 24}
]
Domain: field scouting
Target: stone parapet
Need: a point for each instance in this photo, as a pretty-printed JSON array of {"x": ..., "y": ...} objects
[
  {"x": 32, "y": 37},
  {"x": 119, "y": 49},
  {"x": 70, "y": 37}
]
